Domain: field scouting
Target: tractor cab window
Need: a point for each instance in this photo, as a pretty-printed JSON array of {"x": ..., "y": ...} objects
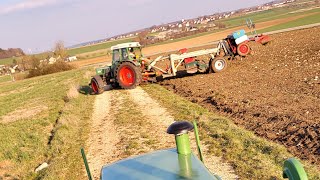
[
  {"x": 124, "y": 53},
  {"x": 136, "y": 51},
  {"x": 116, "y": 55}
]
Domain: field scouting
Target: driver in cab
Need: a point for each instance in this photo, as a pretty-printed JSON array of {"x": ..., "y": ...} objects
[{"x": 132, "y": 55}]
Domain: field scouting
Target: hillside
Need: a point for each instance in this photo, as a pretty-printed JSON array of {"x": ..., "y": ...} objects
[{"x": 10, "y": 53}]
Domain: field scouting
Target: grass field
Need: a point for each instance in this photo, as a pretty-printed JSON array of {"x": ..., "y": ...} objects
[
  {"x": 272, "y": 14},
  {"x": 44, "y": 119},
  {"x": 6, "y": 61},
  {"x": 312, "y": 19},
  {"x": 5, "y": 78}
]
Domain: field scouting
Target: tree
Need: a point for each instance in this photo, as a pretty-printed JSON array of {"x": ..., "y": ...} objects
[
  {"x": 60, "y": 50},
  {"x": 14, "y": 61},
  {"x": 142, "y": 37}
]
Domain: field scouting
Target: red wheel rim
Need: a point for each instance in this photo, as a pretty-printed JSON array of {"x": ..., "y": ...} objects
[
  {"x": 127, "y": 76},
  {"x": 244, "y": 49},
  {"x": 94, "y": 86}
]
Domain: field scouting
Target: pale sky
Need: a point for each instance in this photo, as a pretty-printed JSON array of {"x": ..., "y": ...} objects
[{"x": 38, "y": 24}]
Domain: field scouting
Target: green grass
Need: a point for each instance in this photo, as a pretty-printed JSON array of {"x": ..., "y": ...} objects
[
  {"x": 315, "y": 18},
  {"x": 131, "y": 120},
  {"x": 105, "y": 45},
  {"x": 251, "y": 156},
  {"x": 93, "y": 54},
  {"x": 7, "y": 61},
  {"x": 24, "y": 142},
  {"x": 272, "y": 14},
  {"x": 5, "y": 78}
]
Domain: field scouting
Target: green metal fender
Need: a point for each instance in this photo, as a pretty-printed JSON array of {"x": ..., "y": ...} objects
[{"x": 293, "y": 170}]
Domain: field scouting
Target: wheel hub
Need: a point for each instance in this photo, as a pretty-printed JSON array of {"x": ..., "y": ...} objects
[
  {"x": 244, "y": 49},
  {"x": 219, "y": 65},
  {"x": 127, "y": 76}
]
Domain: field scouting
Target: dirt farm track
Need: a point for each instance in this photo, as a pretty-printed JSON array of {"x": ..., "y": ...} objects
[{"x": 275, "y": 92}]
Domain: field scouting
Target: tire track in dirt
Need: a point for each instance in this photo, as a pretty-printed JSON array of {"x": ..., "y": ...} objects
[
  {"x": 159, "y": 116},
  {"x": 103, "y": 135}
]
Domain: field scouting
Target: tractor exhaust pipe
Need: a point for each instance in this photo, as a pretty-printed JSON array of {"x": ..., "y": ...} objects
[{"x": 180, "y": 129}]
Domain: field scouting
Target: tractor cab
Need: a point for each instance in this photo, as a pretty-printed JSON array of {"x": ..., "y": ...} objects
[{"x": 126, "y": 52}]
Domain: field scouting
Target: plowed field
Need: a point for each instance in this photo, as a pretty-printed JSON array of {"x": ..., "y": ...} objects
[{"x": 275, "y": 92}]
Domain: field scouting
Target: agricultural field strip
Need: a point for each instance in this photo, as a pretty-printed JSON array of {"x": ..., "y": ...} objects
[
  {"x": 293, "y": 29},
  {"x": 251, "y": 156},
  {"x": 216, "y": 42}
]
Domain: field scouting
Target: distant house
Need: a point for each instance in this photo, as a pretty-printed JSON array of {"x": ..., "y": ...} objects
[
  {"x": 162, "y": 35},
  {"x": 71, "y": 58},
  {"x": 52, "y": 60}
]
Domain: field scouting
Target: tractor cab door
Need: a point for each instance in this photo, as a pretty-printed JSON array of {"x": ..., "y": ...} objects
[
  {"x": 124, "y": 54},
  {"x": 115, "y": 56}
]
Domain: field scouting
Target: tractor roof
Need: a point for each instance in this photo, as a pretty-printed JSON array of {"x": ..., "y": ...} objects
[{"x": 125, "y": 45}]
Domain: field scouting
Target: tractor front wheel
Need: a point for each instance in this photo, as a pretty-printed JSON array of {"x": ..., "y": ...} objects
[
  {"x": 218, "y": 64},
  {"x": 243, "y": 49},
  {"x": 128, "y": 75},
  {"x": 97, "y": 84}
]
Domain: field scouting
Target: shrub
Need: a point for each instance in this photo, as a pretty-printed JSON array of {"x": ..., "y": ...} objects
[{"x": 59, "y": 66}]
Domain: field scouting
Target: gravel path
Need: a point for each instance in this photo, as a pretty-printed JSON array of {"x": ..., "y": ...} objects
[{"x": 105, "y": 138}]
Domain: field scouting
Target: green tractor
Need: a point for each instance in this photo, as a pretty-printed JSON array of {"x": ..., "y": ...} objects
[
  {"x": 129, "y": 68},
  {"x": 125, "y": 70}
]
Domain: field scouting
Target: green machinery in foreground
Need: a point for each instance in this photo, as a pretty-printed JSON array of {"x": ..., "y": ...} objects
[{"x": 177, "y": 163}]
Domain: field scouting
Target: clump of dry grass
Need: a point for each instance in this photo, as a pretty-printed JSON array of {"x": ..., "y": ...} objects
[{"x": 72, "y": 93}]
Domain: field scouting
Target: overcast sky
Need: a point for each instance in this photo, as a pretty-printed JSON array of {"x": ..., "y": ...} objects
[{"x": 38, "y": 24}]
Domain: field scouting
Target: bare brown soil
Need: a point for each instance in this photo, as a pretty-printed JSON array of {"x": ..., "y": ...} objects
[
  {"x": 6, "y": 167},
  {"x": 274, "y": 92}
]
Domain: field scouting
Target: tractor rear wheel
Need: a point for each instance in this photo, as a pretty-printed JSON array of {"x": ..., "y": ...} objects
[
  {"x": 243, "y": 49},
  {"x": 97, "y": 84},
  {"x": 218, "y": 64},
  {"x": 128, "y": 75}
]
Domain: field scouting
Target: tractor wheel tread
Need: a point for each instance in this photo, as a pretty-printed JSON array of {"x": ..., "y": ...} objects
[{"x": 97, "y": 84}]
